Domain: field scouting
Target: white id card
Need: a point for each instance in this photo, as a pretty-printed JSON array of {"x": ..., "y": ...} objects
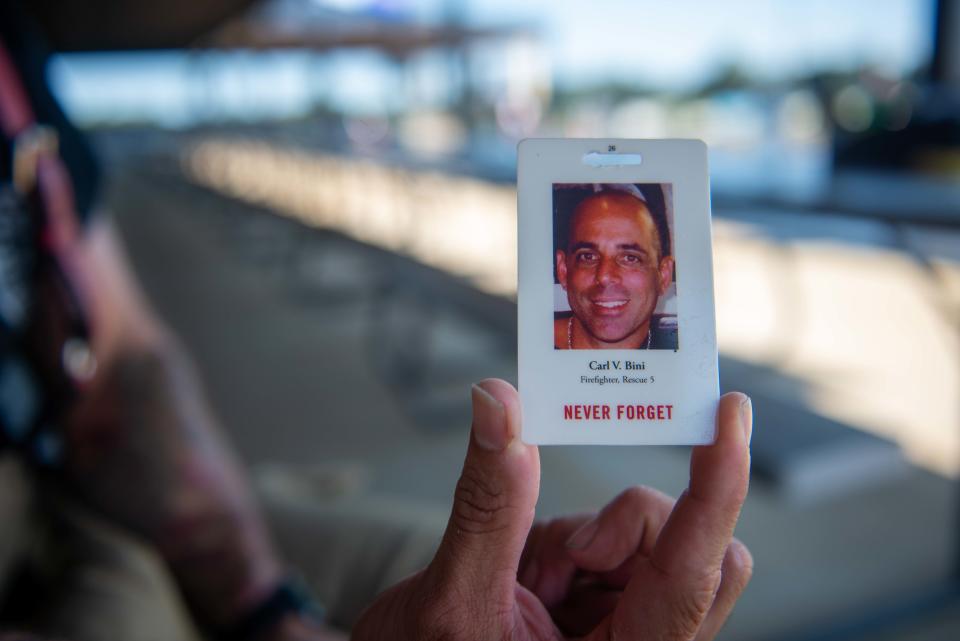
[{"x": 617, "y": 335}]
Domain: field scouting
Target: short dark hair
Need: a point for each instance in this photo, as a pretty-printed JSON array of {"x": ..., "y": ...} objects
[{"x": 566, "y": 199}]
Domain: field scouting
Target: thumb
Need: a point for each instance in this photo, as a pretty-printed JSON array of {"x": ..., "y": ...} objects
[{"x": 493, "y": 505}]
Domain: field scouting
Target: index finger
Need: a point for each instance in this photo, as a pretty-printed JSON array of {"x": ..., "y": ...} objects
[{"x": 671, "y": 591}]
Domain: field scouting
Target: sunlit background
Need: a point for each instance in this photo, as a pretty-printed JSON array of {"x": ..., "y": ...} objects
[{"x": 834, "y": 140}]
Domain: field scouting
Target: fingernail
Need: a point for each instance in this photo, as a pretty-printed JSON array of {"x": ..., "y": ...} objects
[
  {"x": 489, "y": 421},
  {"x": 742, "y": 554},
  {"x": 746, "y": 417},
  {"x": 584, "y": 535}
]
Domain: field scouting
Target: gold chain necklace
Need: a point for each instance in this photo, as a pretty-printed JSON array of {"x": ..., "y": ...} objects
[{"x": 570, "y": 335}]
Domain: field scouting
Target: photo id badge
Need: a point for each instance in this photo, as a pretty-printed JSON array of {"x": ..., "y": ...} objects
[{"x": 617, "y": 331}]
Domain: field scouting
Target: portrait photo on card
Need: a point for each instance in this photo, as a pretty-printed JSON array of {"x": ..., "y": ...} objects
[{"x": 614, "y": 270}]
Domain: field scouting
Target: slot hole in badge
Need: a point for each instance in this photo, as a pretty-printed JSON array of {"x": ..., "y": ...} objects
[{"x": 613, "y": 159}]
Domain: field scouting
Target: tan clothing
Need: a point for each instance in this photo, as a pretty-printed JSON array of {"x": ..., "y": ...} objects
[{"x": 105, "y": 584}]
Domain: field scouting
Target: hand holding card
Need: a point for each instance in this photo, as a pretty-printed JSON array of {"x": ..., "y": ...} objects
[{"x": 643, "y": 568}]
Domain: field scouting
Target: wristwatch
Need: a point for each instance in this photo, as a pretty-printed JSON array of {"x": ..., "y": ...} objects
[{"x": 291, "y": 596}]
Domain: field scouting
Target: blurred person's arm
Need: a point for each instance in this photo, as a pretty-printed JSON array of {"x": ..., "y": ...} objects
[{"x": 144, "y": 449}]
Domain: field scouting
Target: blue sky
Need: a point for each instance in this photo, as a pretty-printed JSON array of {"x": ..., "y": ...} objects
[
  {"x": 670, "y": 45},
  {"x": 680, "y": 42}
]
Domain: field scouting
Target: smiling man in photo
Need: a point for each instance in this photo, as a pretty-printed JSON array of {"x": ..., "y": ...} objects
[{"x": 614, "y": 262}]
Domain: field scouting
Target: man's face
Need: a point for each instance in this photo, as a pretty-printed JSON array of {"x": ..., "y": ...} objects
[{"x": 612, "y": 270}]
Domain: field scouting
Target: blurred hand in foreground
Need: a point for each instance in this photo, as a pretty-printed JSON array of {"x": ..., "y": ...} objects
[{"x": 644, "y": 567}]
